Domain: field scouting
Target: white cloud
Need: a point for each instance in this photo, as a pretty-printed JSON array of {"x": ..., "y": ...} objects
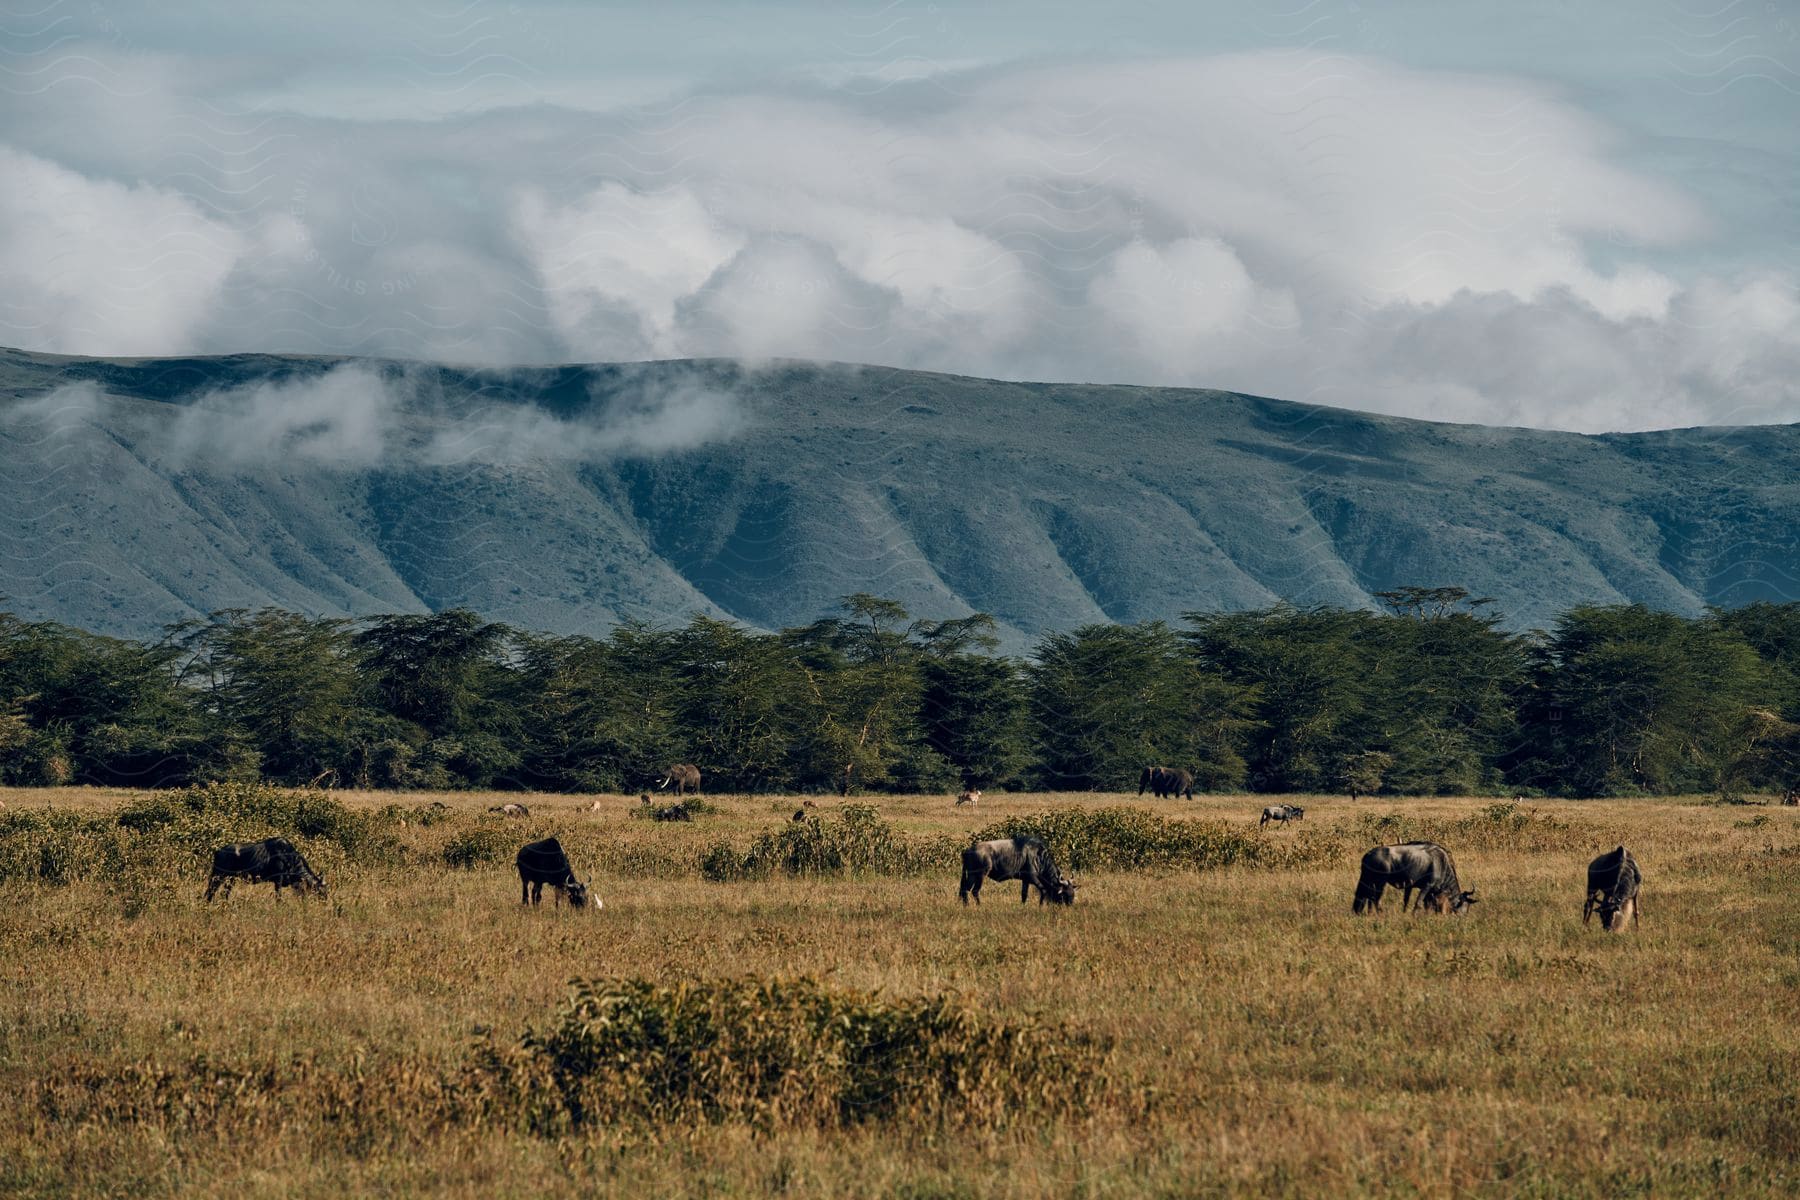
[
  {"x": 354, "y": 417},
  {"x": 96, "y": 267},
  {"x": 615, "y": 263},
  {"x": 342, "y": 418},
  {"x": 1321, "y": 227}
]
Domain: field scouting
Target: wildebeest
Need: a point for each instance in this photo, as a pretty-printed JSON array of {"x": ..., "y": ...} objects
[
  {"x": 1283, "y": 813},
  {"x": 272, "y": 860},
  {"x": 685, "y": 777},
  {"x": 511, "y": 810},
  {"x": 1425, "y": 867},
  {"x": 544, "y": 862},
  {"x": 969, "y": 796},
  {"x": 1166, "y": 781},
  {"x": 1613, "y": 881},
  {"x": 799, "y": 814},
  {"x": 1791, "y": 797},
  {"x": 1022, "y": 858}
]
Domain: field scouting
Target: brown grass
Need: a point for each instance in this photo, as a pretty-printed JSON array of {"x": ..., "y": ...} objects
[{"x": 1261, "y": 1040}]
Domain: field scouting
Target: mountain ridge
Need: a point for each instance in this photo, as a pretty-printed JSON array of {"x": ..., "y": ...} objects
[{"x": 566, "y": 498}]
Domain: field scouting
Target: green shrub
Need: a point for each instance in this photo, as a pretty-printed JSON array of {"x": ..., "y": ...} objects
[
  {"x": 1126, "y": 839},
  {"x": 172, "y": 833},
  {"x": 858, "y": 841},
  {"x": 488, "y": 842},
  {"x": 773, "y": 1053},
  {"x": 722, "y": 863},
  {"x": 762, "y": 1053},
  {"x": 1503, "y": 826},
  {"x": 682, "y": 810}
]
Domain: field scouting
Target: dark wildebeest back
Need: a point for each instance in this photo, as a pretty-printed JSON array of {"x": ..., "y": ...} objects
[
  {"x": 1022, "y": 858},
  {"x": 1166, "y": 781},
  {"x": 1425, "y": 867},
  {"x": 1613, "y": 881},
  {"x": 545, "y": 862},
  {"x": 1282, "y": 813},
  {"x": 272, "y": 860}
]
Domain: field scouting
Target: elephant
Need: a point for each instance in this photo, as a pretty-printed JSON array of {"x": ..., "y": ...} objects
[
  {"x": 685, "y": 777},
  {"x": 1166, "y": 781}
]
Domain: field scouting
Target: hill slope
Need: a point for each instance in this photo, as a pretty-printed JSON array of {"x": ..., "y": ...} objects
[{"x": 143, "y": 492}]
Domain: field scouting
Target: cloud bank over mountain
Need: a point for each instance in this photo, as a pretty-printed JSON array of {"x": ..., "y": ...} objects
[{"x": 1330, "y": 228}]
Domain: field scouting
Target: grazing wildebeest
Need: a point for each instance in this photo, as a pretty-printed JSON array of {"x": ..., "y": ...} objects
[
  {"x": 272, "y": 860},
  {"x": 511, "y": 810},
  {"x": 1422, "y": 866},
  {"x": 1791, "y": 797},
  {"x": 544, "y": 862},
  {"x": 1283, "y": 813},
  {"x": 1613, "y": 881},
  {"x": 969, "y": 796},
  {"x": 685, "y": 777},
  {"x": 1166, "y": 781},
  {"x": 1021, "y": 858},
  {"x": 799, "y": 814}
]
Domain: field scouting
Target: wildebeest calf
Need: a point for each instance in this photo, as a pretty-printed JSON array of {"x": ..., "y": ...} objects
[
  {"x": 1422, "y": 866},
  {"x": 1283, "y": 813},
  {"x": 1022, "y": 858},
  {"x": 272, "y": 860},
  {"x": 544, "y": 862},
  {"x": 1613, "y": 881}
]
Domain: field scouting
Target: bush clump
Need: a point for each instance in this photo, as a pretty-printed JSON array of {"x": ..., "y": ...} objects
[
  {"x": 488, "y": 842},
  {"x": 858, "y": 841},
  {"x": 1125, "y": 839},
  {"x": 775, "y": 1053},
  {"x": 682, "y": 810},
  {"x": 1506, "y": 825},
  {"x": 165, "y": 833},
  {"x": 636, "y": 1053},
  {"x": 208, "y": 815}
]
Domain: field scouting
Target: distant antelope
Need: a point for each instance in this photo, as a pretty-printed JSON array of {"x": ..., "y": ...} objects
[
  {"x": 970, "y": 796},
  {"x": 511, "y": 810}
]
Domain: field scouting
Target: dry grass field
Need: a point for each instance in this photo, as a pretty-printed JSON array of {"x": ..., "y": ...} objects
[{"x": 1256, "y": 1038}]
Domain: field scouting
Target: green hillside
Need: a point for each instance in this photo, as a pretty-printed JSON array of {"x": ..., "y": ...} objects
[{"x": 568, "y": 498}]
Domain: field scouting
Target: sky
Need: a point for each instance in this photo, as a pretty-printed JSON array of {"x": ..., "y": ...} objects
[{"x": 1563, "y": 216}]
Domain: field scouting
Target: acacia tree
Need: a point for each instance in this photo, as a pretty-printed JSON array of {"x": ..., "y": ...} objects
[
  {"x": 90, "y": 709},
  {"x": 743, "y": 704},
  {"x": 1632, "y": 700},
  {"x": 972, "y": 706},
  {"x": 445, "y": 675},
  {"x": 288, "y": 685},
  {"x": 1107, "y": 700},
  {"x": 1445, "y": 686},
  {"x": 1308, "y": 676},
  {"x": 863, "y": 679}
]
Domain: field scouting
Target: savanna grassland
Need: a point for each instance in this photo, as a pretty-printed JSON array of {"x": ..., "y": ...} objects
[{"x": 1208, "y": 1017}]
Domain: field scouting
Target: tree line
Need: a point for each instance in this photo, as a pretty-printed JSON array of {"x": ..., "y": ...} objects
[{"x": 1428, "y": 696}]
